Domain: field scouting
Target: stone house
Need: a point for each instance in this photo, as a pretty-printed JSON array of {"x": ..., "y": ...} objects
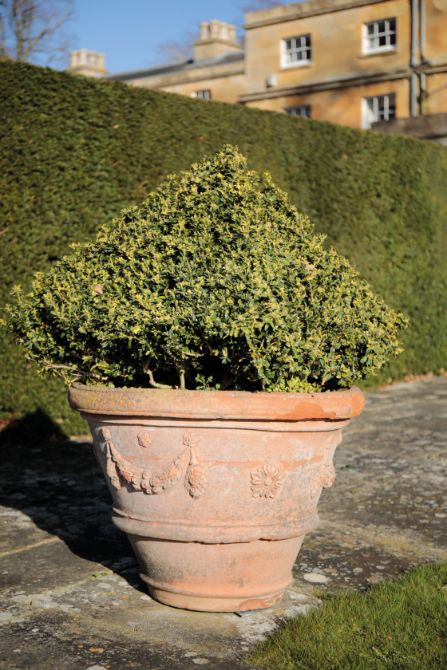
[{"x": 352, "y": 62}]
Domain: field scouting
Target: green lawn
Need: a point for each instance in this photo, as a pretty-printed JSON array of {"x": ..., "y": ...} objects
[{"x": 399, "y": 624}]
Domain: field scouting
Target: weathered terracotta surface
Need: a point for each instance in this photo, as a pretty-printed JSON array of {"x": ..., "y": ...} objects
[{"x": 216, "y": 489}]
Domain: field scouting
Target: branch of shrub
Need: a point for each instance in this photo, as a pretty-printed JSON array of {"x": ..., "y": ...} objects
[{"x": 152, "y": 381}]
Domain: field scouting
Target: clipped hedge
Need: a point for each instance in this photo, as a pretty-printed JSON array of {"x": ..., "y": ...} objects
[{"x": 74, "y": 151}]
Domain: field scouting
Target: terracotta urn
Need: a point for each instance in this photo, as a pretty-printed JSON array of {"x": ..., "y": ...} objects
[{"x": 216, "y": 489}]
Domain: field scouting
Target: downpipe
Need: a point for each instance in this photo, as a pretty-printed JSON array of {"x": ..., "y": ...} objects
[
  {"x": 423, "y": 20},
  {"x": 414, "y": 57},
  {"x": 423, "y": 76}
]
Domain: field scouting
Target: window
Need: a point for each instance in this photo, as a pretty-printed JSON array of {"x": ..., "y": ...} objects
[
  {"x": 378, "y": 108},
  {"x": 305, "y": 111},
  {"x": 296, "y": 51},
  {"x": 204, "y": 94},
  {"x": 379, "y": 36}
]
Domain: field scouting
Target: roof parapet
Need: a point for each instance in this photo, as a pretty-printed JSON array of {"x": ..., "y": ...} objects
[{"x": 297, "y": 10}]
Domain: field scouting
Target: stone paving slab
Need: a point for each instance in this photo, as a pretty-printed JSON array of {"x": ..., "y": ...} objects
[{"x": 71, "y": 594}]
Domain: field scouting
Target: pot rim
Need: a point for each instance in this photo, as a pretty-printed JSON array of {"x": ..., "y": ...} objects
[{"x": 227, "y": 405}]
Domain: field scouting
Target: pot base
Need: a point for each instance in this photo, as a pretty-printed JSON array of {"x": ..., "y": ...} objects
[
  {"x": 232, "y": 577},
  {"x": 210, "y": 603}
]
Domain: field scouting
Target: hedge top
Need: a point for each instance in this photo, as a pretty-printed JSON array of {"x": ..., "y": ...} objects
[{"x": 216, "y": 281}]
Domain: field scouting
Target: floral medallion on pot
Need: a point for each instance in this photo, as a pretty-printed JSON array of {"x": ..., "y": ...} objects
[
  {"x": 212, "y": 341},
  {"x": 266, "y": 482}
]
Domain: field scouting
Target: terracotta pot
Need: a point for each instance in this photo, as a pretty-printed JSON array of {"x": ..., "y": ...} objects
[{"x": 216, "y": 489}]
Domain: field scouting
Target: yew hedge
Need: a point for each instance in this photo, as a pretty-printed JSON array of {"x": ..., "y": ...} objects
[{"x": 74, "y": 152}]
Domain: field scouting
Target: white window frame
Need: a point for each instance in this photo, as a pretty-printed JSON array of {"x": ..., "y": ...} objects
[
  {"x": 302, "y": 46},
  {"x": 378, "y": 108},
  {"x": 301, "y": 111},
  {"x": 389, "y": 33},
  {"x": 202, "y": 94}
]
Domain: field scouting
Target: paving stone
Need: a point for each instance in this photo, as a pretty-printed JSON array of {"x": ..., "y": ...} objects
[{"x": 315, "y": 578}]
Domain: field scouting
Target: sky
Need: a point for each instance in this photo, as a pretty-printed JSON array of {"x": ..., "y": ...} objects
[{"x": 130, "y": 32}]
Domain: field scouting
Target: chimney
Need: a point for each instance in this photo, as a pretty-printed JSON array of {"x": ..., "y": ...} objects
[
  {"x": 88, "y": 63},
  {"x": 216, "y": 38}
]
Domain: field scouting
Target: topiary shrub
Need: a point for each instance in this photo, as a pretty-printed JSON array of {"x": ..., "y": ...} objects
[{"x": 216, "y": 281}]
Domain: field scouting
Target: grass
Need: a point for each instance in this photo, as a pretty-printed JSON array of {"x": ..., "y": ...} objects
[{"x": 398, "y": 625}]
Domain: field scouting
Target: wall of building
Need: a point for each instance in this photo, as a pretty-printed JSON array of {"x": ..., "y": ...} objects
[
  {"x": 336, "y": 46},
  {"x": 435, "y": 54},
  {"x": 343, "y": 106},
  {"x": 436, "y": 97},
  {"x": 223, "y": 89},
  {"x": 436, "y": 32},
  {"x": 226, "y": 81}
]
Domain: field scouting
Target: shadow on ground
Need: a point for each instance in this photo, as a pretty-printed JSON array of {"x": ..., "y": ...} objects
[{"x": 57, "y": 483}]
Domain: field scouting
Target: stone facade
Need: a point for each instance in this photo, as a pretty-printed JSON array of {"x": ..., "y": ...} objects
[{"x": 353, "y": 62}]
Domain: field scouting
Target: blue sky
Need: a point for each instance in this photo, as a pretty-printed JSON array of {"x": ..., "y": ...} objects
[{"x": 129, "y": 33}]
